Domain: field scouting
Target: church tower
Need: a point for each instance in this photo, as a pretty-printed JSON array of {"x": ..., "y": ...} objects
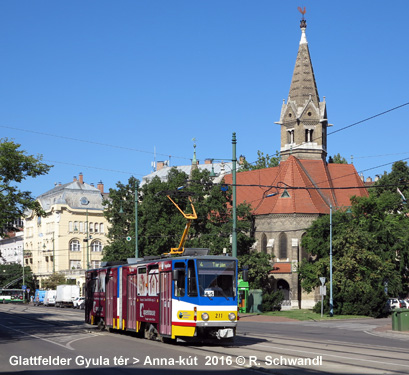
[{"x": 303, "y": 118}]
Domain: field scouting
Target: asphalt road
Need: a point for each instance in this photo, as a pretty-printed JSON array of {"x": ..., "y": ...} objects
[{"x": 50, "y": 341}]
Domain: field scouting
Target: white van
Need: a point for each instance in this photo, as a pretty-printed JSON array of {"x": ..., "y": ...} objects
[{"x": 49, "y": 298}]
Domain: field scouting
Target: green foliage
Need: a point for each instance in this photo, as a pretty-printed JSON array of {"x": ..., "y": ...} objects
[
  {"x": 370, "y": 249},
  {"x": 11, "y": 272},
  {"x": 272, "y": 300},
  {"x": 397, "y": 178},
  {"x": 161, "y": 225},
  {"x": 259, "y": 266},
  {"x": 337, "y": 159},
  {"x": 54, "y": 280},
  {"x": 120, "y": 213},
  {"x": 262, "y": 162},
  {"x": 16, "y": 166}
]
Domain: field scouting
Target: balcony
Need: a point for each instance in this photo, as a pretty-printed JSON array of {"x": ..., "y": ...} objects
[{"x": 73, "y": 272}]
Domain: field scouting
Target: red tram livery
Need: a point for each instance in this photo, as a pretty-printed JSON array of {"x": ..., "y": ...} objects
[{"x": 187, "y": 297}]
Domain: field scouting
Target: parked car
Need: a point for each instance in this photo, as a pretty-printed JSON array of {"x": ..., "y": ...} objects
[
  {"x": 404, "y": 304},
  {"x": 81, "y": 304},
  {"x": 76, "y": 302},
  {"x": 393, "y": 303}
]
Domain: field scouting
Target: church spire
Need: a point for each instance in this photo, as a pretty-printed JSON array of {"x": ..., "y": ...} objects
[
  {"x": 303, "y": 118},
  {"x": 303, "y": 83}
]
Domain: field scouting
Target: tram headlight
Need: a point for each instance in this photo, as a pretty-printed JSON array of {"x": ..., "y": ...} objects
[
  {"x": 205, "y": 316},
  {"x": 232, "y": 316}
]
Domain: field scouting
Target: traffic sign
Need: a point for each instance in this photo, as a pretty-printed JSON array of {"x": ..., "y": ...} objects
[
  {"x": 24, "y": 287},
  {"x": 322, "y": 279},
  {"x": 128, "y": 238}
]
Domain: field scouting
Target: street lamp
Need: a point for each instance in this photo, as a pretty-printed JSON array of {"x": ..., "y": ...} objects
[
  {"x": 234, "y": 236},
  {"x": 331, "y": 301}
]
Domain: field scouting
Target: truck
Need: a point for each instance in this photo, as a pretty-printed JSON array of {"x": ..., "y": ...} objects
[
  {"x": 49, "y": 298},
  {"x": 39, "y": 297},
  {"x": 66, "y": 295}
]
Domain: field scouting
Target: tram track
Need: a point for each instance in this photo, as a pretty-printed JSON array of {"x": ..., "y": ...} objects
[
  {"x": 256, "y": 350},
  {"x": 335, "y": 360}
]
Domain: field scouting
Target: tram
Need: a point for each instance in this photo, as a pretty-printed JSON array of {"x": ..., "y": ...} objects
[{"x": 189, "y": 297}]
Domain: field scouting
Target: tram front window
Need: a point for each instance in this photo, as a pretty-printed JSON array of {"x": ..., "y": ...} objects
[{"x": 217, "y": 278}]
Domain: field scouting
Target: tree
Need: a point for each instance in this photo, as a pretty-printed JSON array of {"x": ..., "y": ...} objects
[
  {"x": 54, "y": 280},
  {"x": 16, "y": 166},
  {"x": 259, "y": 267},
  {"x": 337, "y": 159},
  {"x": 120, "y": 213},
  {"x": 370, "y": 252},
  {"x": 397, "y": 178},
  {"x": 262, "y": 162},
  {"x": 14, "y": 272},
  {"x": 160, "y": 224}
]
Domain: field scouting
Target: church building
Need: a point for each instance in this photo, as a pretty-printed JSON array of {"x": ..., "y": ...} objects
[{"x": 287, "y": 199}]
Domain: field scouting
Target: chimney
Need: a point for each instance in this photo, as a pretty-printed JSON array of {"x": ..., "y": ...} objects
[
  {"x": 92, "y": 184},
  {"x": 75, "y": 178},
  {"x": 368, "y": 179},
  {"x": 81, "y": 178},
  {"x": 100, "y": 187},
  {"x": 361, "y": 176},
  {"x": 159, "y": 165},
  {"x": 208, "y": 161}
]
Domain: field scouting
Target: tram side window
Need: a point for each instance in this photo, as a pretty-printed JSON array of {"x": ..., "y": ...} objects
[
  {"x": 153, "y": 280},
  {"x": 191, "y": 281},
  {"x": 180, "y": 281},
  {"x": 142, "y": 282}
]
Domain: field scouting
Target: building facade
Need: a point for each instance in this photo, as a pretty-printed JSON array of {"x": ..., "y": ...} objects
[
  {"x": 71, "y": 238},
  {"x": 11, "y": 248}
]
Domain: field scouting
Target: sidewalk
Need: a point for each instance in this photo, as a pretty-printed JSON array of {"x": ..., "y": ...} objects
[{"x": 384, "y": 330}]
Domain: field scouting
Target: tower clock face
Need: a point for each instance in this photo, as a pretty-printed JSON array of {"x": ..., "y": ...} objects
[{"x": 84, "y": 201}]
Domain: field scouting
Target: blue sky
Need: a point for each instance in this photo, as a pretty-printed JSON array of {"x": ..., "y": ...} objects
[{"x": 96, "y": 86}]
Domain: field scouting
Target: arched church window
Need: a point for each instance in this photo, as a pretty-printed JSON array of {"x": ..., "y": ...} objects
[
  {"x": 264, "y": 243},
  {"x": 282, "y": 252}
]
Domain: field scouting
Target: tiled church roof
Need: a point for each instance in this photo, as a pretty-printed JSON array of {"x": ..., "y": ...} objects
[{"x": 304, "y": 186}]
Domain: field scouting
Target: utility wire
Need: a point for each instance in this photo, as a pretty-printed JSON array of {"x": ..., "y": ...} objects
[{"x": 91, "y": 142}]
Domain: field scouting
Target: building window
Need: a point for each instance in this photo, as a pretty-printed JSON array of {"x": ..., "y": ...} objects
[
  {"x": 75, "y": 264},
  {"x": 282, "y": 252},
  {"x": 91, "y": 227},
  {"x": 75, "y": 226},
  {"x": 96, "y": 227},
  {"x": 290, "y": 136},
  {"x": 101, "y": 228},
  {"x": 81, "y": 227},
  {"x": 95, "y": 264},
  {"x": 70, "y": 226},
  {"x": 96, "y": 246},
  {"x": 75, "y": 245},
  {"x": 309, "y": 135}
]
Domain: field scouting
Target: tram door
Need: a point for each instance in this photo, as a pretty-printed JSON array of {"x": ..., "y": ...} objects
[
  {"x": 110, "y": 298},
  {"x": 132, "y": 288},
  {"x": 165, "y": 303}
]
